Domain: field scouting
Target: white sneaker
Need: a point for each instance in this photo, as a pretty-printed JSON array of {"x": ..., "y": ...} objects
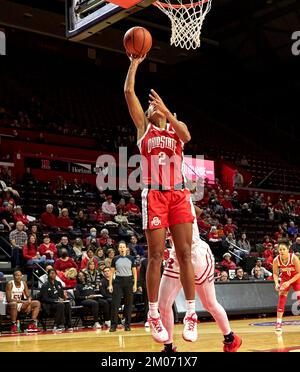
[
  {"x": 108, "y": 323},
  {"x": 97, "y": 325},
  {"x": 190, "y": 332},
  {"x": 158, "y": 331},
  {"x": 57, "y": 329},
  {"x": 147, "y": 325}
]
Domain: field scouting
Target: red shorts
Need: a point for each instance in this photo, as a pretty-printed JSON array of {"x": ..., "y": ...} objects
[{"x": 166, "y": 208}]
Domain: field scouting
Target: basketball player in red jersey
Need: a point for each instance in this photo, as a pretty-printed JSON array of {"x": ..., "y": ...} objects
[
  {"x": 165, "y": 200},
  {"x": 289, "y": 265},
  {"x": 204, "y": 265}
]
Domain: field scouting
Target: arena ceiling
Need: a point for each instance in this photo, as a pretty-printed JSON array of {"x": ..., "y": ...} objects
[{"x": 245, "y": 29}]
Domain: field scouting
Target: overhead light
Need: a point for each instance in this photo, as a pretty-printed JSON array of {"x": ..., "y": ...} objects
[{"x": 28, "y": 15}]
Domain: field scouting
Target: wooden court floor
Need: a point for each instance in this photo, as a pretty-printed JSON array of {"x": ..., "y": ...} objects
[{"x": 255, "y": 338}]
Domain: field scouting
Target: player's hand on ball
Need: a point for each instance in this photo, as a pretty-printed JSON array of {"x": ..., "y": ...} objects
[{"x": 135, "y": 59}]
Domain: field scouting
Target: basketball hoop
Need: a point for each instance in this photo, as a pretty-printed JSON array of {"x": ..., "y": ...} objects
[{"x": 186, "y": 18}]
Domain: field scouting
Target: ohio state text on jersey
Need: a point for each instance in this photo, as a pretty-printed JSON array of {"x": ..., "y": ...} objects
[{"x": 162, "y": 158}]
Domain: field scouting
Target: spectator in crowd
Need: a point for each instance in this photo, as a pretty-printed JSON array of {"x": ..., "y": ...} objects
[
  {"x": 121, "y": 218},
  {"x": 135, "y": 249},
  {"x": 20, "y": 216},
  {"x": 92, "y": 238},
  {"x": 18, "y": 238},
  {"x": 99, "y": 216},
  {"x": 64, "y": 262},
  {"x": 230, "y": 227},
  {"x": 227, "y": 263},
  {"x": 296, "y": 246},
  {"x": 44, "y": 278},
  {"x": 213, "y": 236},
  {"x": 109, "y": 245},
  {"x": 262, "y": 270},
  {"x": 55, "y": 302},
  {"x": 89, "y": 257},
  {"x": 48, "y": 249},
  {"x": 244, "y": 162},
  {"x": 224, "y": 277},
  {"x": 239, "y": 274},
  {"x": 78, "y": 249},
  {"x": 109, "y": 208},
  {"x": 258, "y": 274},
  {"x": 100, "y": 255},
  {"x": 104, "y": 235},
  {"x": 65, "y": 244},
  {"x": 7, "y": 217},
  {"x": 75, "y": 188},
  {"x": 85, "y": 295},
  {"x": 235, "y": 200},
  {"x": 229, "y": 243},
  {"x": 93, "y": 276},
  {"x": 293, "y": 230},
  {"x": 121, "y": 206},
  {"x": 237, "y": 179},
  {"x": 48, "y": 218},
  {"x": 267, "y": 244},
  {"x": 19, "y": 301},
  {"x": 33, "y": 230},
  {"x": 226, "y": 204},
  {"x": 109, "y": 258},
  {"x": 30, "y": 252},
  {"x": 243, "y": 244},
  {"x": 64, "y": 222},
  {"x": 106, "y": 295},
  {"x": 132, "y": 209},
  {"x": 125, "y": 230},
  {"x": 125, "y": 284},
  {"x": 80, "y": 221},
  {"x": 68, "y": 277},
  {"x": 7, "y": 198}
]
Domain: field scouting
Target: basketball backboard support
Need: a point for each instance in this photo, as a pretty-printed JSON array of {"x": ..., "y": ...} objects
[{"x": 86, "y": 17}]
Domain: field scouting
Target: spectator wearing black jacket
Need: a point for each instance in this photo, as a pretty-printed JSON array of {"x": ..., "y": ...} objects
[
  {"x": 85, "y": 295},
  {"x": 64, "y": 243},
  {"x": 54, "y": 302}
]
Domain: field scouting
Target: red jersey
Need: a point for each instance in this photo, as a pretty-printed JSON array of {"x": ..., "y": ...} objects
[
  {"x": 288, "y": 271},
  {"x": 162, "y": 157}
]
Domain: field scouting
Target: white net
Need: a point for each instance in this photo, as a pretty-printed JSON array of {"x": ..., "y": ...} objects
[{"x": 186, "y": 18}]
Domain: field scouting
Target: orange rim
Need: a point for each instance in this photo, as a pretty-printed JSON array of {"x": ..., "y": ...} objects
[{"x": 178, "y": 6}]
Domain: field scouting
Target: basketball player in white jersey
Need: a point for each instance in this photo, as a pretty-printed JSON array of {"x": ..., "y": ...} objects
[
  {"x": 170, "y": 285},
  {"x": 19, "y": 300}
]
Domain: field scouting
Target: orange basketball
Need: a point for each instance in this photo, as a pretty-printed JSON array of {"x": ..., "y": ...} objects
[{"x": 137, "y": 41}]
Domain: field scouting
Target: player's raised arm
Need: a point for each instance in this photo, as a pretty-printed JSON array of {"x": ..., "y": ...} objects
[
  {"x": 179, "y": 127},
  {"x": 135, "y": 108}
]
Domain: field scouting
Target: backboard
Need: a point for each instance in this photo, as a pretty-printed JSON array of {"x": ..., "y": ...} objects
[{"x": 86, "y": 17}]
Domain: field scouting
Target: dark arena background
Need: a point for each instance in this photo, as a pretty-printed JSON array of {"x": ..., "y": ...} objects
[{"x": 62, "y": 105}]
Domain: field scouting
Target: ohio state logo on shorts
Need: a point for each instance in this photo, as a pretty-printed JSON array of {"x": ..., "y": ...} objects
[{"x": 155, "y": 221}]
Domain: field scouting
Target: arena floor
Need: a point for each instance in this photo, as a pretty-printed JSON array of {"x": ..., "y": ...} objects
[{"x": 257, "y": 335}]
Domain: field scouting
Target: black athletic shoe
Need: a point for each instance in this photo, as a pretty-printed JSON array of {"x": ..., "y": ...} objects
[
  {"x": 113, "y": 329},
  {"x": 127, "y": 327}
]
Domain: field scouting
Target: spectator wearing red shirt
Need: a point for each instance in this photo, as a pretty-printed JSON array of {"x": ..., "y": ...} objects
[
  {"x": 230, "y": 227},
  {"x": 203, "y": 224},
  {"x": 226, "y": 203},
  {"x": 30, "y": 252},
  {"x": 86, "y": 260},
  {"x": 64, "y": 222},
  {"x": 267, "y": 244},
  {"x": 227, "y": 264},
  {"x": 20, "y": 216},
  {"x": 48, "y": 218},
  {"x": 48, "y": 249},
  {"x": 64, "y": 262},
  {"x": 132, "y": 208},
  {"x": 103, "y": 237},
  {"x": 99, "y": 216},
  {"x": 213, "y": 235}
]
